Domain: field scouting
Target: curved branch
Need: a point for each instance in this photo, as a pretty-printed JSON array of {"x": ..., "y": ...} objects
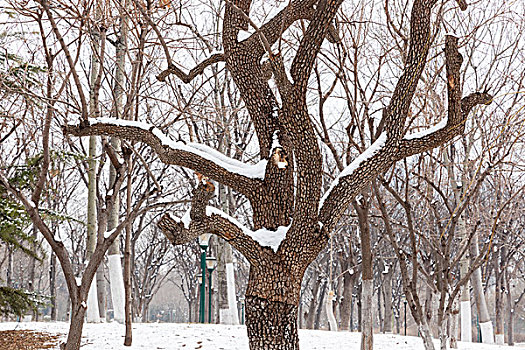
[
  {"x": 421, "y": 39},
  {"x": 383, "y": 153},
  {"x": 241, "y": 177},
  {"x": 206, "y": 219},
  {"x": 310, "y": 45},
  {"x": 195, "y": 71}
]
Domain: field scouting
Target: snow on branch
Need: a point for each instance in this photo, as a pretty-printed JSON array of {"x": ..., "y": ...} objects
[
  {"x": 206, "y": 160},
  {"x": 367, "y": 154}
]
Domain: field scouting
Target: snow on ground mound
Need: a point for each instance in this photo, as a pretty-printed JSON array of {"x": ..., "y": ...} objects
[{"x": 174, "y": 336}]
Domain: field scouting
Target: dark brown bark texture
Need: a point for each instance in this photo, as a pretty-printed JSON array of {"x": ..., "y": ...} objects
[{"x": 276, "y": 199}]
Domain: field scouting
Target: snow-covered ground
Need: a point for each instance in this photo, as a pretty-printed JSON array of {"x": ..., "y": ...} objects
[{"x": 174, "y": 336}]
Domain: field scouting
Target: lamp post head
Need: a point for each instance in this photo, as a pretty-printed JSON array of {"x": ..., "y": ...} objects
[
  {"x": 204, "y": 240},
  {"x": 211, "y": 263}
]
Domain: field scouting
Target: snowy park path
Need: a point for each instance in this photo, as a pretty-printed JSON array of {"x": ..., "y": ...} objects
[{"x": 175, "y": 336}]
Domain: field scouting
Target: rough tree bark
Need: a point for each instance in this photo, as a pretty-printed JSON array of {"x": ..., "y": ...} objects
[{"x": 285, "y": 196}]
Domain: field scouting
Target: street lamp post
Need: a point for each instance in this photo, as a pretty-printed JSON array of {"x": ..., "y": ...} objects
[
  {"x": 211, "y": 263},
  {"x": 241, "y": 299},
  {"x": 199, "y": 280},
  {"x": 204, "y": 240}
]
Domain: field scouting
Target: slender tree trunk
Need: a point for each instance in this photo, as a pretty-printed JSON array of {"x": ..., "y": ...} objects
[
  {"x": 485, "y": 324},
  {"x": 346, "y": 303},
  {"x": 320, "y": 305},
  {"x": 313, "y": 303},
  {"x": 380, "y": 312},
  {"x": 425, "y": 334},
  {"x": 9, "y": 272},
  {"x": 225, "y": 273},
  {"x": 116, "y": 280},
  {"x": 367, "y": 328},
  {"x": 115, "y": 265},
  {"x": 367, "y": 290},
  {"x": 465, "y": 309},
  {"x": 510, "y": 313},
  {"x": 330, "y": 310},
  {"x": 359, "y": 307},
  {"x": 52, "y": 285},
  {"x": 499, "y": 310},
  {"x": 453, "y": 325},
  {"x": 101, "y": 292},
  {"x": 387, "y": 293},
  {"x": 31, "y": 284},
  {"x": 127, "y": 262},
  {"x": 93, "y": 314}
]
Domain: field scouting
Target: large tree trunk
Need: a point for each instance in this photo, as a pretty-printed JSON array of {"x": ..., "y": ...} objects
[
  {"x": 271, "y": 325},
  {"x": 75, "y": 328}
]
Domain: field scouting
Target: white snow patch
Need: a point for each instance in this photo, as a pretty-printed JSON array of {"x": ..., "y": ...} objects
[
  {"x": 254, "y": 171},
  {"x": 185, "y": 219},
  {"x": 107, "y": 234},
  {"x": 418, "y": 135},
  {"x": 84, "y": 304},
  {"x": 56, "y": 237},
  {"x": 263, "y": 236},
  {"x": 367, "y": 154},
  {"x": 108, "y": 336},
  {"x": 244, "y": 34},
  {"x": 79, "y": 281},
  {"x": 268, "y": 238}
]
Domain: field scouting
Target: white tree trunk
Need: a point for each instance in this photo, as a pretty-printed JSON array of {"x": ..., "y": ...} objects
[
  {"x": 487, "y": 332},
  {"x": 232, "y": 299},
  {"x": 424, "y": 331},
  {"x": 466, "y": 321},
  {"x": 116, "y": 283},
  {"x": 367, "y": 327},
  {"x": 330, "y": 310},
  {"x": 92, "y": 312},
  {"x": 500, "y": 339},
  {"x": 485, "y": 324}
]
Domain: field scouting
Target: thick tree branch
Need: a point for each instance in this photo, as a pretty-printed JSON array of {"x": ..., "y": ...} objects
[
  {"x": 420, "y": 41},
  {"x": 239, "y": 176},
  {"x": 206, "y": 219},
  {"x": 311, "y": 43},
  {"x": 381, "y": 155}
]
